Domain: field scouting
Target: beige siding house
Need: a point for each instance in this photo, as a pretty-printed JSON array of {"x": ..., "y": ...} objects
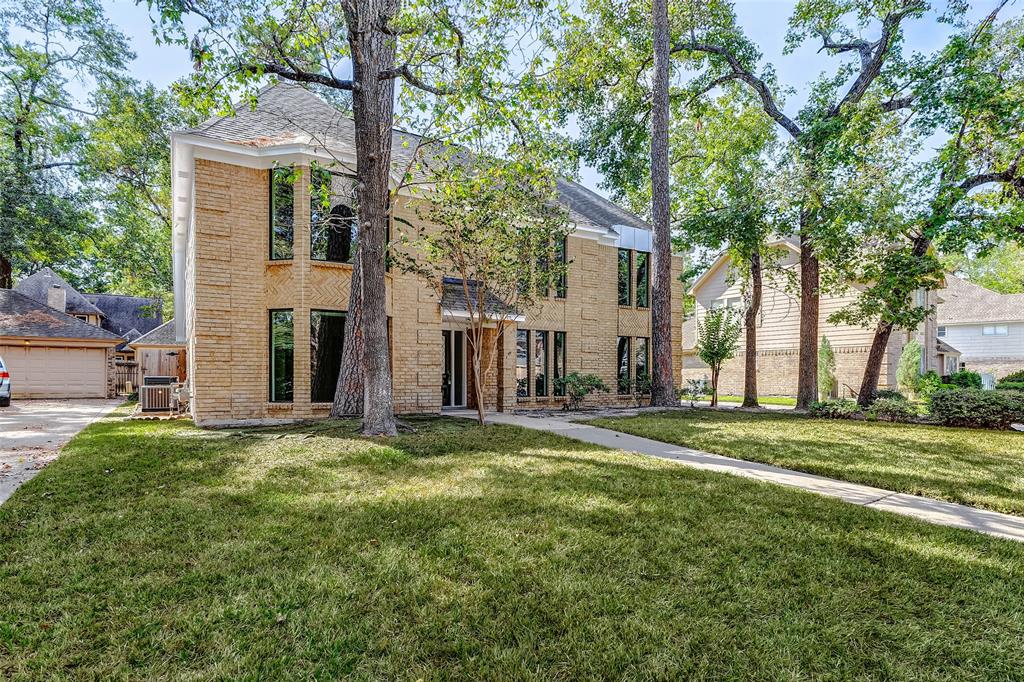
[
  {"x": 261, "y": 284},
  {"x": 986, "y": 327},
  {"x": 778, "y": 331}
]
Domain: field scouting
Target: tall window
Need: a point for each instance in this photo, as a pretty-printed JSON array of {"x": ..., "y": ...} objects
[
  {"x": 282, "y": 213},
  {"x": 522, "y": 363},
  {"x": 558, "y": 368},
  {"x": 326, "y": 339},
  {"x": 282, "y": 355},
  {"x": 332, "y": 222},
  {"x": 622, "y": 363},
  {"x": 642, "y": 359},
  {"x": 561, "y": 285},
  {"x": 540, "y": 364},
  {"x": 625, "y": 277},
  {"x": 643, "y": 276}
]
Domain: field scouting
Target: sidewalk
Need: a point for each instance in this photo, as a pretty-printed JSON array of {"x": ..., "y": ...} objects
[{"x": 933, "y": 511}]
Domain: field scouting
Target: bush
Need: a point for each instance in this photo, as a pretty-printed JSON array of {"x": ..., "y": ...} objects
[
  {"x": 907, "y": 373},
  {"x": 892, "y": 410},
  {"x": 835, "y": 409},
  {"x": 694, "y": 390},
  {"x": 1013, "y": 378},
  {"x": 929, "y": 382},
  {"x": 889, "y": 394},
  {"x": 976, "y": 408},
  {"x": 965, "y": 378},
  {"x": 1010, "y": 385},
  {"x": 949, "y": 387},
  {"x": 578, "y": 386}
]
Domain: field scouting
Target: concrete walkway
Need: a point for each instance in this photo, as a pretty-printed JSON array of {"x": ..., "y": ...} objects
[{"x": 923, "y": 508}]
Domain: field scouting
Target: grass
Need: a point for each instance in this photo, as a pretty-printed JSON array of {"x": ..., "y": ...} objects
[
  {"x": 154, "y": 550},
  {"x": 972, "y": 466},
  {"x": 763, "y": 400}
]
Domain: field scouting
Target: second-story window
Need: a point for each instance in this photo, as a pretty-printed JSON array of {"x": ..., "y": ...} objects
[
  {"x": 332, "y": 221},
  {"x": 561, "y": 285},
  {"x": 625, "y": 277},
  {"x": 282, "y": 213},
  {"x": 643, "y": 278}
]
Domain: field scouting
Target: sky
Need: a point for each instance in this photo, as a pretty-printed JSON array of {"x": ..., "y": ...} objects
[{"x": 765, "y": 22}]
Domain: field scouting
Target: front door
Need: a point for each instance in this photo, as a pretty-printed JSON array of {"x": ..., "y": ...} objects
[{"x": 453, "y": 381}]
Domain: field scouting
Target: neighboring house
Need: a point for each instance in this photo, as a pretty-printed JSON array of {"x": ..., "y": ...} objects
[
  {"x": 40, "y": 287},
  {"x": 53, "y": 354},
  {"x": 261, "y": 291},
  {"x": 778, "y": 331},
  {"x": 129, "y": 317},
  {"x": 986, "y": 327}
]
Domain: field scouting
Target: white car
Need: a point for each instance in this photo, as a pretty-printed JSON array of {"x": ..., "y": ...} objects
[{"x": 5, "y": 385}]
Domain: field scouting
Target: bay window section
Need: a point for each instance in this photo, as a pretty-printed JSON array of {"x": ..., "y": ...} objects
[
  {"x": 326, "y": 339},
  {"x": 282, "y": 213},
  {"x": 558, "y": 366},
  {"x": 643, "y": 275},
  {"x": 282, "y": 355},
  {"x": 522, "y": 363},
  {"x": 332, "y": 220},
  {"x": 622, "y": 365},
  {"x": 625, "y": 277},
  {"x": 540, "y": 364}
]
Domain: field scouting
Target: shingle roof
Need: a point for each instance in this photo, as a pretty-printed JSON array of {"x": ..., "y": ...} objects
[
  {"x": 36, "y": 286},
  {"x": 453, "y": 299},
  {"x": 24, "y": 317},
  {"x": 125, "y": 313},
  {"x": 161, "y": 336},
  {"x": 943, "y": 347},
  {"x": 964, "y": 302},
  {"x": 287, "y": 113}
]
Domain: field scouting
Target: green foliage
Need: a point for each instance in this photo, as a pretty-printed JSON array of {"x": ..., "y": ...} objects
[
  {"x": 838, "y": 408},
  {"x": 889, "y": 394},
  {"x": 578, "y": 386},
  {"x": 928, "y": 383},
  {"x": 1013, "y": 377},
  {"x": 965, "y": 378},
  {"x": 908, "y": 371},
  {"x": 641, "y": 388},
  {"x": 827, "y": 381},
  {"x": 892, "y": 410},
  {"x": 694, "y": 390},
  {"x": 972, "y": 407},
  {"x": 1000, "y": 267},
  {"x": 718, "y": 333},
  {"x": 1010, "y": 386}
]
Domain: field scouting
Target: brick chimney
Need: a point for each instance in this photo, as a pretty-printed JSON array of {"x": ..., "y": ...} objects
[{"x": 57, "y": 298}]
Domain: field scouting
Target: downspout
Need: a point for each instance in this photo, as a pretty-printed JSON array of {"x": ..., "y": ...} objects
[{"x": 181, "y": 196}]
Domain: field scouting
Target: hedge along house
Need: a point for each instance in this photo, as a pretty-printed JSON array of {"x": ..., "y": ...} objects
[
  {"x": 262, "y": 277},
  {"x": 778, "y": 331}
]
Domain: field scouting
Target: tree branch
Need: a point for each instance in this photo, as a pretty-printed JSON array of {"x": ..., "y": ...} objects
[{"x": 299, "y": 76}]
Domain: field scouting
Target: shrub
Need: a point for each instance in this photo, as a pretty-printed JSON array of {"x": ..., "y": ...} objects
[
  {"x": 578, "y": 386},
  {"x": 929, "y": 382},
  {"x": 965, "y": 378},
  {"x": 1010, "y": 385},
  {"x": 641, "y": 388},
  {"x": 892, "y": 410},
  {"x": 977, "y": 408},
  {"x": 835, "y": 409},
  {"x": 948, "y": 387},
  {"x": 1013, "y": 377},
  {"x": 827, "y": 382},
  {"x": 907, "y": 370},
  {"x": 889, "y": 394},
  {"x": 694, "y": 390}
]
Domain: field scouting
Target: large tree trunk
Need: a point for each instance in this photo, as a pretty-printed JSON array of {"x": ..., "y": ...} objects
[
  {"x": 662, "y": 384},
  {"x": 873, "y": 368},
  {"x": 750, "y": 366},
  {"x": 348, "y": 394},
  {"x": 373, "y": 51},
  {"x": 807, "y": 383}
]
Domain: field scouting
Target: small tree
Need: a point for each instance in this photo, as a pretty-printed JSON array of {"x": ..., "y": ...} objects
[
  {"x": 908, "y": 371},
  {"x": 718, "y": 336},
  {"x": 827, "y": 381},
  {"x": 496, "y": 230}
]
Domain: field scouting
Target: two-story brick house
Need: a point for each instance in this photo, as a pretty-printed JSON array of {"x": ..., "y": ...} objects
[{"x": 261, "y": 289}]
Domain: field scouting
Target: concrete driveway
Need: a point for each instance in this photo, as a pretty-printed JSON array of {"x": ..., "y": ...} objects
[{"x": 33, "y": 431}]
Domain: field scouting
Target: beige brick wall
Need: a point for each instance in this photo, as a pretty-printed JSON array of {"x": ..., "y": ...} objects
[{"x": 232, "y": 285}]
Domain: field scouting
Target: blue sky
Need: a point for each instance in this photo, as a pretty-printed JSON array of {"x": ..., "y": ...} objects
[{"x": 765, "y": 21}]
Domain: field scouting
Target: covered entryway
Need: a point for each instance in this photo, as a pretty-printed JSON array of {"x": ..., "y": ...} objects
[{"x": 51, "y": 372}]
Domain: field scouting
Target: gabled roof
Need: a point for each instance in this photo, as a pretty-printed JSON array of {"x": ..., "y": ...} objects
[
  {"x": 24, "y": 317},
  {"x": 125, "y": 313},
  {"x": 36, "y": 286},
  {"x": 724, "y": 258},
  {"x": 964, "y": 302},
  {"x": 289, "y": 114},
  {"x": 161, "y": 336}
]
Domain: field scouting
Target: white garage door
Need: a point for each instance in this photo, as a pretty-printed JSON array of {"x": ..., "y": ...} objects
[{"x": 38, "y": 372}]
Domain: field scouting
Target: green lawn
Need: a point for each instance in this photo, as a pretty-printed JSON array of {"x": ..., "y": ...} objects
[
  {"x": 153, "y": 550},
  {"x": 972, "y": 466},
  {"x": 762, "y": 400}
]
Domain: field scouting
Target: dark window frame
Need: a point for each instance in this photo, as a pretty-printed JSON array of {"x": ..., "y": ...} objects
[
  {"x": 623, "y": 389},
  {"x": 334, "y": 220},
  {"x": 624, "y": 277},
  {"x": 312, "y": 354},
  {"x": 272, "y": 183},
  {"x": 646, "y": 356},
  {"x": 558, "y": 365},
  {"x": 272, "y": 374},
  {"x": 543, "y": 389},
  {"x": 645, "y": 288},
  {"x": 561, "y": 257},
  {"x": 523, "y": 389}
]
